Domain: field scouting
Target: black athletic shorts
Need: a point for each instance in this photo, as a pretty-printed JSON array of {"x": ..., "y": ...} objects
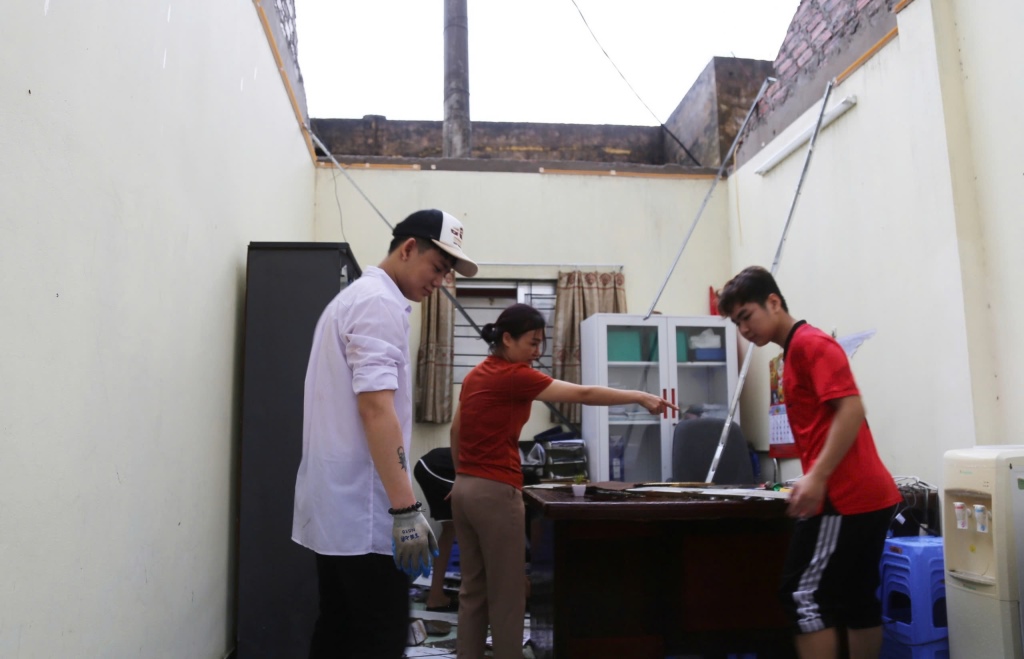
[
  {"x": 435, "y": 472},
  {"x": 831, "y": 575}
]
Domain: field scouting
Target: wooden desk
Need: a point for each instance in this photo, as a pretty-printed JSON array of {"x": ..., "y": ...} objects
[{"x": 618, "y": 575}]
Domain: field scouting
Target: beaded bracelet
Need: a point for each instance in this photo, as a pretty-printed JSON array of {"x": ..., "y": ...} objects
[{"x": 414, "y": 508}]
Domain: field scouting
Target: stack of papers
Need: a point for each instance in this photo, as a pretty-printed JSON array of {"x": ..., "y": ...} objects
[{"x": 714, "y": 492}]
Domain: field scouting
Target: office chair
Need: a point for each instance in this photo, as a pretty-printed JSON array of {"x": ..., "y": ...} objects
[{"x": 693, "y": 447}]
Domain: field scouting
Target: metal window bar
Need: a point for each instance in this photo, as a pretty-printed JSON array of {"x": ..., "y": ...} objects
[{"x": 484, "y": 300}]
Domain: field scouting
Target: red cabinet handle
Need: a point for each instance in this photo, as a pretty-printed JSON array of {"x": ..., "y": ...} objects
[
  {"x": 673, "y": 402},
  {"x": 664, "y": 396}
]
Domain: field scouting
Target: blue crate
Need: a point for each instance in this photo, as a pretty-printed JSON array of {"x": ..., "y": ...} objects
[{"x": 913, "y": 590}]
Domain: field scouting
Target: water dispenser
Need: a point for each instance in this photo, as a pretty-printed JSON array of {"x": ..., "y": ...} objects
[{"x": 982, "y": 513}]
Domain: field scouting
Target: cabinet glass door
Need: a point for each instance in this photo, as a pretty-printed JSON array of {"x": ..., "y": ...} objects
[
  {"x": 702, "y": 373},
  {"x": 634, "y": 434},
  {"x": 688, "y": 360}
]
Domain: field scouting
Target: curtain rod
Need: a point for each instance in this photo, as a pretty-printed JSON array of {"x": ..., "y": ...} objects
[{"x": 573, "y": 265}]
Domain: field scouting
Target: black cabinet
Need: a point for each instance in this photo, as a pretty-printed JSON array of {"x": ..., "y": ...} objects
[{"x": 287, "y": 287}]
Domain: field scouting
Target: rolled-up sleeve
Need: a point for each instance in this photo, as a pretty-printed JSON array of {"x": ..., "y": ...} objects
[{"x": 374, "y": 344}]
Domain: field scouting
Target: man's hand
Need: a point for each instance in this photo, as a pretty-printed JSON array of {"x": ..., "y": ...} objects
[{"x": 413, "y": 544}]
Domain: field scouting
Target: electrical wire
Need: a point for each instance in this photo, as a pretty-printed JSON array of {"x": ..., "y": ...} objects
[
  {"x": 919, "y": 507},
  {"x": 337, "y": 200},
  {"x": 344, "y": 171},
  {"x": 635, "y": 93}
]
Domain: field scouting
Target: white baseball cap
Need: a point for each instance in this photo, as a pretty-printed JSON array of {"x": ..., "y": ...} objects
[{"x": 443, "y": 230}]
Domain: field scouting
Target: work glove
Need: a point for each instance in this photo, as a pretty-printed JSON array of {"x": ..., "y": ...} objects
[{"x": 413, "y": 543}]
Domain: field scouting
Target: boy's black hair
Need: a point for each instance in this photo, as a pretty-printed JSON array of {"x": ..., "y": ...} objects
[
  {"x": 422, "y": 245},
  {"x": 753, "y": 284},
  {"x": 517, "y": 319}
]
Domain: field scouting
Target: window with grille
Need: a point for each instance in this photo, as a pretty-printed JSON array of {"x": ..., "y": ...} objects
[{"x": 484, "y": 300}]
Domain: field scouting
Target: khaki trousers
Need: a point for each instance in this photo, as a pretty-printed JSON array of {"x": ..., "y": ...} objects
[{"x": 490, "y": 527}]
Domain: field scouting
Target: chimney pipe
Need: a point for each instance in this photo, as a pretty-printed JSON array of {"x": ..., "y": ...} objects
[{"x": 456, "y": 130}]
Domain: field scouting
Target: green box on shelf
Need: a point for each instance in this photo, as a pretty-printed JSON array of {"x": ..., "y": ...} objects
[
  {"x": 624, "y": 344},
  {"x": 681, "y": 354}
]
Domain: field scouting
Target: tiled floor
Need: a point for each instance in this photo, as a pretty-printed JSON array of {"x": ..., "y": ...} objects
[{"x": 447, "y": 651}]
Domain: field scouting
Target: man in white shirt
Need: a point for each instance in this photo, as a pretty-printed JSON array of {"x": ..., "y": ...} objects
[{"x": 354, "y": 503}]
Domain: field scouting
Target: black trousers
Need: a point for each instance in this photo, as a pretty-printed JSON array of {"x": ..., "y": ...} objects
[{"x": 364, "y": 608}]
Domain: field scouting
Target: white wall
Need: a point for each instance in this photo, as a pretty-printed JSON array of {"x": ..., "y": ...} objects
[
  {"x": 144, "y": 145},
  {"x": 638, "y": 223},
  {"x": 875, "y": 245},
  {"x": 984, "y": 51}
]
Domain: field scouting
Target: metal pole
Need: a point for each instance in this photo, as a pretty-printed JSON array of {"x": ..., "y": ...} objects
[
  {"x": 707, "y": 197},
  {"x": 456, "y": 133},
  {"x": 775, "y": 267},
  {"x": 803, "y": 173}
]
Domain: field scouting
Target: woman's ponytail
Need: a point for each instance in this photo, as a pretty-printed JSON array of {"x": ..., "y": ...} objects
[{"x": 490, "y": 333}]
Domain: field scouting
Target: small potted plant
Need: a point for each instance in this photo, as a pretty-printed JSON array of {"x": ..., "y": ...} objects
[{"x": 579, "y": 485}]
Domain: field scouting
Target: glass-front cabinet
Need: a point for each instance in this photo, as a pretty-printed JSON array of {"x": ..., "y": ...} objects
[{"x": 688, "y": 360}]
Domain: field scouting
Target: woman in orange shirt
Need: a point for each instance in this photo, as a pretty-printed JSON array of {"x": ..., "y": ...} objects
[{"x": 487, "y": 502}]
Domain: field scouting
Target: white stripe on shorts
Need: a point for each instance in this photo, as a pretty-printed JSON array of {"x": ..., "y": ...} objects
[{"x": 808, "y": 615}]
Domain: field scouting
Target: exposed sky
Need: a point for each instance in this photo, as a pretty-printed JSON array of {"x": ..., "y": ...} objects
[{"x": 529, "y": 60}]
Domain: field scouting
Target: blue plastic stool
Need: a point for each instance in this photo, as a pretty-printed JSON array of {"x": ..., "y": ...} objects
[
  {"x": 913, "y": 590},
  {"x": 894, "y": 649}
]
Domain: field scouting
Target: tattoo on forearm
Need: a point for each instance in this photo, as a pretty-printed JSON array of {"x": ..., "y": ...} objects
[{"x": 401, "y": 459}]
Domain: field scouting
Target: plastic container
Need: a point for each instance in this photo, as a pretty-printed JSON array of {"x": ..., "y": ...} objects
[
  {"x": 624, "y": 344},
  {"x": 682, "y": 354},
  {"x": 616, "y": 457},
  {"x": 709, "y": 354}
]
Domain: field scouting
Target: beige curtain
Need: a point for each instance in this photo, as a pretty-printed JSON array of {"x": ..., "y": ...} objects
[
  {"x": 434, "y": 371},
  {"x": 580, "y": 295}
]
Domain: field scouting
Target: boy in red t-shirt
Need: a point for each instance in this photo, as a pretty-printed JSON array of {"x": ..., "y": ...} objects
[{"x": 846, "y": 498}]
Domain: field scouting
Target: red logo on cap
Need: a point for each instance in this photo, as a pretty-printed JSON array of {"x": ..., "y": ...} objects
[{"x": 457, "y": 235}]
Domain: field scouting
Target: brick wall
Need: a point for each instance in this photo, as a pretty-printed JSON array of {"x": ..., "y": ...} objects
[
  {"x": 737, "y": 81},
  {"x": 824, "y": 38},
  {"x": 286, "y": 17},
  {"x": 710, "y": 115},
  {"x": 820, "y": 31},
  {"x": 706, "y": 121},
  {"x": 376, "y": 136},
  {"x": 281, "y": 21}
]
